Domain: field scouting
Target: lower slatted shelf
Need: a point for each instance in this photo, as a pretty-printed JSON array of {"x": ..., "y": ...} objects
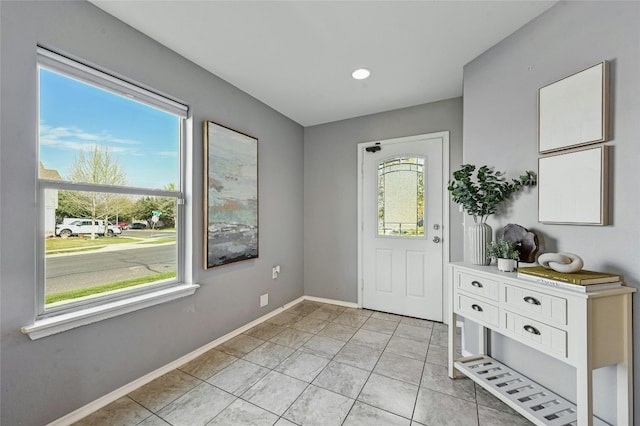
[{"x": 527, "y": 397}]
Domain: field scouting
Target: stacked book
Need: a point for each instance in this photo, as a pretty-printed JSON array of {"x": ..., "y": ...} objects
[{"x": 583, "y": 281}]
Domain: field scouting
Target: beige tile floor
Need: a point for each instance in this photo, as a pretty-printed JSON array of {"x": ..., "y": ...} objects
[{"x": 316, "y": 364}]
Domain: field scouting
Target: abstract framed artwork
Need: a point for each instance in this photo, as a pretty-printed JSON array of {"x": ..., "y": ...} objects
[
  {"x": 230, "y": 196},
  {"x": 574, "y": 111},
  {"x": 573, "y": 187}
]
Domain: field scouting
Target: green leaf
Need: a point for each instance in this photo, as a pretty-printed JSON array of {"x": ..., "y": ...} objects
[{"x": 482, "y": 195}]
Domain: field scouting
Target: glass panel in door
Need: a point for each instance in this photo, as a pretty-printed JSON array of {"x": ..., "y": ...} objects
[{"x": 401, "y": 197}]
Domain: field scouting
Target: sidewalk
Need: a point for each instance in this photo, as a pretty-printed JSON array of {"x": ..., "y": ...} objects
[{"x": 143, "y": 242}]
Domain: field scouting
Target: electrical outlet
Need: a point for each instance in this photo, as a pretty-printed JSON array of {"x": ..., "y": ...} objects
[
  {"x": 264, "y": 300},
  {"x": 275, "y": 271}
]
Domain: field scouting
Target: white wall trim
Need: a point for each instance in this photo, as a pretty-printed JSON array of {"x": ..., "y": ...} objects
[
  {"x": 446, "y": 233},
  {"x": 331, "y": 301},
  {"x": 59, "y": 323},
  {"x": 360, "y": 173},
  {"x": 446, "y": 256},
  {"x": 101, "y": 402}
]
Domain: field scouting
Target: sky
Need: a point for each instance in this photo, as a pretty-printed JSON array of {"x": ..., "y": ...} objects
[{"x": 76, "y": 116}]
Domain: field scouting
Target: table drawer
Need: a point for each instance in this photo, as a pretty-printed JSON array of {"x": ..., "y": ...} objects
[
  {"x": 538, "y": 335},
  {"x": 539, "y": 306},
  {"x": 479, "y": 311},
  {"x": 480, "y": 286}
]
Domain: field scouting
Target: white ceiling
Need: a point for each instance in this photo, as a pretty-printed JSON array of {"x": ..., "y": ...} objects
[{"x": 297, "y": 56}]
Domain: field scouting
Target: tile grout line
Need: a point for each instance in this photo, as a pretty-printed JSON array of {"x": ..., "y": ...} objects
[
  {"x": 424, "y": 364},
  {"x": 370, "y": 373},
  {"x": 310, "y": 383},
  {"x": 300, "y": 317},
  {"x": 378, "y": 360},
  {"x": 270, "y": 370},
  {"x": 327, "y": 322},
  {"x": 330, "y": 360},
  {"x": 274, "y": 369}
]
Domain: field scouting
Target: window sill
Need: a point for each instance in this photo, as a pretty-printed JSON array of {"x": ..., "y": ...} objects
[{"x": 58, "y": 324}]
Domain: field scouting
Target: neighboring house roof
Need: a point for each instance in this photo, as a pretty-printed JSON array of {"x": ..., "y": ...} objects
[{"x": 50, "y": 174}]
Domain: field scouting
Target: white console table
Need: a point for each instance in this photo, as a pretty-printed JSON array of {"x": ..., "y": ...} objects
[{"x": 585, "y": 330}]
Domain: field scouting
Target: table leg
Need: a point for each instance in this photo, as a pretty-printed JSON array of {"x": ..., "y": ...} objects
[
  {"x": 624, "y": 371},
  {"x": 453, "y": 345}
]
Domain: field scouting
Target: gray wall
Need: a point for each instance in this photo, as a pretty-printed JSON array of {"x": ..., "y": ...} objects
[
  {"x": 331, "y": 186},
  {"x": 45, "y": 379},
  {"x": 500, "y": 95}
]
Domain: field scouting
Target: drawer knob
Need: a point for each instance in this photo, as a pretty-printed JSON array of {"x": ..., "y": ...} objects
[
  {"x": 476, "y": 284},
  {"x": 532, "y": 300},
  {"x": 531, "y": 329},
  {"x": 476, "y": 307}
]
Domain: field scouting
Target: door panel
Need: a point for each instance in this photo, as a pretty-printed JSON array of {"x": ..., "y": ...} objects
[
  {"x": 415, "y": 273},
  {"x": 401, "y": 213},
  {"x": 383, "y": 271}
]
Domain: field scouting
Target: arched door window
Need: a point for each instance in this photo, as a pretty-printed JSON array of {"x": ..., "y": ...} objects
[{"x": 401, "y": 197}]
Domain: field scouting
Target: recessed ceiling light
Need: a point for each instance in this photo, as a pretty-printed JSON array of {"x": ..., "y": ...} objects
[{"x": 361, "y": 74}]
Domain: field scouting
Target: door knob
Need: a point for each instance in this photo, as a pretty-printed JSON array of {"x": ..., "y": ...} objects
[{"x": 436, "y": 240}]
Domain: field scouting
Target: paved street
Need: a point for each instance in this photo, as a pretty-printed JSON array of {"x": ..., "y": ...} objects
[{"x": 80, "y": 270}]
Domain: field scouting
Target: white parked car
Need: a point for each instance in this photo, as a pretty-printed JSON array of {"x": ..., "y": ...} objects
[{"x": 76, "y": 226}]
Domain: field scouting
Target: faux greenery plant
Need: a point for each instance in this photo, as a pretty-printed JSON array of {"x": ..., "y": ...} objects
[
  {"x": 481, "y": 196},
  {"x": 503, "y": 249}
]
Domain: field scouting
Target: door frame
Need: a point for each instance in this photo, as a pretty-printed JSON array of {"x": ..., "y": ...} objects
[{"x": 445, "y": 208}]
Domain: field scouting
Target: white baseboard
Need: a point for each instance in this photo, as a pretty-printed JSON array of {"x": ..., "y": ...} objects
[
  {"x": 331, "y": 301},
  {"x": 101, "y": 402}
]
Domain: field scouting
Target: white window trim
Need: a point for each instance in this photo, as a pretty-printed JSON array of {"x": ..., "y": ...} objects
[{"x": 57, "y": 323}]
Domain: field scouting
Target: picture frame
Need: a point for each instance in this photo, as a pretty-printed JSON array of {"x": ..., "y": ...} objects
[
  {"x": 230, "y": 196},
  {"x": 574, "y": 111},
  {"x": 573, "y": 187}
]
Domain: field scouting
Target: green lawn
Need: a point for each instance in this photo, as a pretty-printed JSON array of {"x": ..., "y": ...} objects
[
  {"x": 87, "y": 242},
  {"x": 75, "y": 244},
  {"x": 74, "y": 294},
  {"x": 158, "y": 241}
]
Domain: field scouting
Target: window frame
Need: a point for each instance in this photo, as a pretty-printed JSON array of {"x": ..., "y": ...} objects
[{"x": 49, "y": 320}]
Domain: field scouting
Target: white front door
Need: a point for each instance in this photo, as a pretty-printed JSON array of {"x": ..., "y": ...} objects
[{"x": 401, "y": 225}]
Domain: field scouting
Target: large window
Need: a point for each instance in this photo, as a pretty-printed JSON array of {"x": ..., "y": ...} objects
[{"x": 110, "y": 187}]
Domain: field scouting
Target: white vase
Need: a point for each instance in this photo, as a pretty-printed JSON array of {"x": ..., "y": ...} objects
[
  {"x": 507, "y": 265},
  {"x": 479, "y": 236}
]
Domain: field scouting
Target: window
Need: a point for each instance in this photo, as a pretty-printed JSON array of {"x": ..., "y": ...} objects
[
  {"x": 110, "y": 189},
  {"x": 401, "y": 197}
]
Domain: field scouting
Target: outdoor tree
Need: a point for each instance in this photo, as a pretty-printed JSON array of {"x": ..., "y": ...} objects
[
  {"x": 124, "y": 208},
  {"x": 144, "y": 207},
  {"x": 97, "y": 165},
  {"x": 69, "y": 205},
  {"x": 167, "y": 206}
]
